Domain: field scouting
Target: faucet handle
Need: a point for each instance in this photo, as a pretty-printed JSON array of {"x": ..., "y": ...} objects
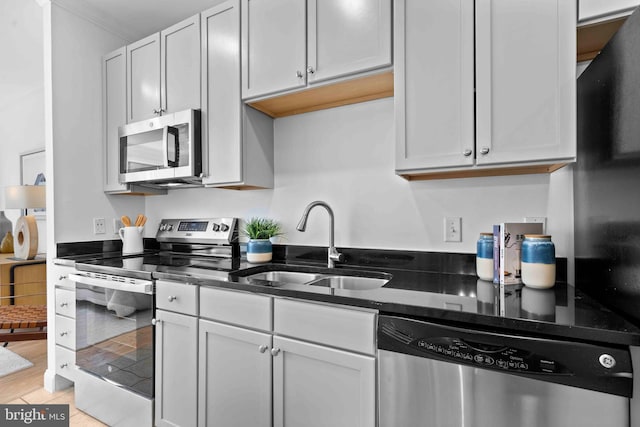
[{"x": 336, "y": 256}]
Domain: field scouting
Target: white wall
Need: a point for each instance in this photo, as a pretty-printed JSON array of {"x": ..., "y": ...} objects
[
  {"x": 22, "y": 89},
  {"x": 77, "y": 49},
  {"x": 345, "y": 156}
]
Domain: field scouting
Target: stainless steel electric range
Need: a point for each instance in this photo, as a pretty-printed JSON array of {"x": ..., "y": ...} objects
[{"x": 115, "y": 309}]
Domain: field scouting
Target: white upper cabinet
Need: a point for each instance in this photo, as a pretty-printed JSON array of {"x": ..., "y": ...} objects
[
  {"x": 434, "y": 84},
  {"x": 143, "y": 78},
  {"x": 346, "y": 37},
  {"x": 238, "y": 140},
  {"x": 274, "y": 46},
  {"x": 288, "y": 44},
  {"x": 114, "y": 72},
  {"x": 163, "y": 71},
  {"x": 526, "y": 79},
  {"x": 525, "y": 100},
  {"x": 603, "y": 9},
  {"x": 180, "y": 66}
]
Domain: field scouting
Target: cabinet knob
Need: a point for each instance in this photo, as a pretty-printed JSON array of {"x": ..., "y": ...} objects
[
  {"x": 275, "y": 351},
  {"x": 64, "y": 365},
  {"x": 62, "y": 334},
  {"x": 310, "y": 70},
  {"x": 155, "y": 321},
  {"x": 299, "y": 74},
  {"x": 484, "y": 151},
  {"x": 467, "y": 152},
  {"x": 64, "y": 304},
  {"x": 262, "y": 348},
  {"x": 172, "y": 298},
  {"x": 62, "y": 277}
]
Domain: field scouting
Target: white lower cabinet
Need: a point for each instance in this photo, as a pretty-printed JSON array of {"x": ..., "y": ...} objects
[
  {"x": 235, "y": 376},
  {"x": 253, "y": 374},
  {"x": 176, "y": 369},
  {"x": 318, "y": 386}
]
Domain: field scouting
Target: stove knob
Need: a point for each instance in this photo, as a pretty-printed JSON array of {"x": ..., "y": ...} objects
[
  {"x": 170, "y": 227},
  {"x": 163, "y": 226},
  {"x": 216, "y": 227},
  {"x": 224, "y": 227}
]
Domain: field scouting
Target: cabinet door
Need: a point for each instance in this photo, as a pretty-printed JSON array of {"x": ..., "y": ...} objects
[
  {"x": 434, "y": 84},
  {"x": 273, "y": 46},
  {"x": 180, "y": 66},
  {"x": 235, "y": 376},
  {"x": 222, "y": 105},
  {"x": 114, "y": 110},
  {"x": 176, "y": 369},
  {"x": 526, "y": 80},
  {"x": 317, "y": 386},
  {"x": 347, "y": 37},
  {"x": 143, "y": 78}
]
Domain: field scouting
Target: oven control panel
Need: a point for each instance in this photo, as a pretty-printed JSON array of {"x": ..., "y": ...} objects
[{"x": 203, "y": 230}]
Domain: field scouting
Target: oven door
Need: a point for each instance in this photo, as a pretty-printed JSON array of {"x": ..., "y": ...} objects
[{"x": 114, "y": 333}]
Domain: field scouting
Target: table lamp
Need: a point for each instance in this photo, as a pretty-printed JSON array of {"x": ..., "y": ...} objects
[{"x": 25, "y": 236}]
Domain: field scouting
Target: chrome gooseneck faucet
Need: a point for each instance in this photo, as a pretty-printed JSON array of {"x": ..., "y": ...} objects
[{"x": 333, "y": 254}]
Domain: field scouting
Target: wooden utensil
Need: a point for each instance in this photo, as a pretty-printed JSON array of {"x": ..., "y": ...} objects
[
  {"x": 125, "y": 221},
  {"x": 143, "y": 221},
  {"x": 139, "y": 220}
]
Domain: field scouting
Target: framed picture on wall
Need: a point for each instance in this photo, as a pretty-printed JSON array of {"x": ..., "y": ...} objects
[{"x": 32, "y": 172}]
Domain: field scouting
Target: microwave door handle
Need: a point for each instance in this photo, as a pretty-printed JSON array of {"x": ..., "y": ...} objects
[
  {"x": 165, "y": 146},
  {"x": 173, "y": 132}
]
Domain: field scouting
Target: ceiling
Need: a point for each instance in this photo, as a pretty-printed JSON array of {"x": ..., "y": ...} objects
[{"x": 136, "y": 19}]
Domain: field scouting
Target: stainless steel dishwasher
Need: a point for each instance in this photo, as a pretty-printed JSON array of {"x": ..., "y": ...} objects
[{"x": 436, "y": 375}]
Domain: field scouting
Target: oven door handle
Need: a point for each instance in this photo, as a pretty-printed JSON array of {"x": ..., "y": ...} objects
[{"x": 142, "y": 287}]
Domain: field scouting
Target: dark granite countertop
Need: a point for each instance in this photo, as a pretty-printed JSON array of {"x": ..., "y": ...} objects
[{"x": 432, "y": 286}]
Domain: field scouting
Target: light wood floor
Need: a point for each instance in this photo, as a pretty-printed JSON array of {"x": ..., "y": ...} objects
[{"x": 26, "y": 386}]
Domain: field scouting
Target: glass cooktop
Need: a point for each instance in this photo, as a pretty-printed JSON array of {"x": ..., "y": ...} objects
[{"x": 146, "y": 264}]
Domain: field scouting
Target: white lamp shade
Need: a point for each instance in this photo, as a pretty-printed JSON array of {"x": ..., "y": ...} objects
[{"x": 25, "y": 196}]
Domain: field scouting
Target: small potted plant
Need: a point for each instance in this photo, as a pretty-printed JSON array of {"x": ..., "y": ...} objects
[{"x": 260, "y": 231}]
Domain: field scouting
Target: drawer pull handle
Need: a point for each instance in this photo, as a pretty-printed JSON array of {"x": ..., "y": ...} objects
[
  {"x": 64, "y": 365},
  {"x": 262, "y": 348},
  {"x": 172, "y": 298},
  {"x": 62, "y": 334},
  {"x": 275, "y": 351},
  {"x": 62, "y": 277},
  {"x": 64, "y": 304}
]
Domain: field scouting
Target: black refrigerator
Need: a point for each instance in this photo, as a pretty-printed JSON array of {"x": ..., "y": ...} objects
[{"x": 607, "y": 175}]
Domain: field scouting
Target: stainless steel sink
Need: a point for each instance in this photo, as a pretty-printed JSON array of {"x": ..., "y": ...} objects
[
  {"x": 355, "y": 283},
  {"x": 330, "y": 280},
  {"x": 293, "y": 277}
]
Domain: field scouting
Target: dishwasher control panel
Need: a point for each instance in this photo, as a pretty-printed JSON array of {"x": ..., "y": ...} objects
[
  {"x": 604, "y": 368},
  {"x": 484, "y": 355}
]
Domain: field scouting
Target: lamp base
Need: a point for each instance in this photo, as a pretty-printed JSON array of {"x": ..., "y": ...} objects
[{"x": 25, "y": 238}]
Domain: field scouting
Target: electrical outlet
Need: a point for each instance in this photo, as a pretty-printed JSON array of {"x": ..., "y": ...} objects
[
  {"x": 453, "y": 229},
  {"x": 117, "y": 225},
  {"x": 99, "y": 226},
  {"x": 540, "y": 219}
]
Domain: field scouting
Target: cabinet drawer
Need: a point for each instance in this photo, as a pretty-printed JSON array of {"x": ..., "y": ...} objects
[
  {"x": 60, "y": 275},
  {"x": 338, "y": 327},
  {"x": 65, "y": 302},
  {"x": 65, "y": 362},
  {"x": 178, "y": 297},
  {"x": 66, "y": 332},
  {"x": 238, "y": 308}
]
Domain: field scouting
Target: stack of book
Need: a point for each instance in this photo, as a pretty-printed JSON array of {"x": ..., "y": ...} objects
[{"x": 507, "y": 241}]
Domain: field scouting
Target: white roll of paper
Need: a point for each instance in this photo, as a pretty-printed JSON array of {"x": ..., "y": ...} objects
[{"x": 25, "y": 238}]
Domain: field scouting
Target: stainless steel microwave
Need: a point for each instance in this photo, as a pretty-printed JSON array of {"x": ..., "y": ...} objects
[{"x": 164, "y": 151}]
